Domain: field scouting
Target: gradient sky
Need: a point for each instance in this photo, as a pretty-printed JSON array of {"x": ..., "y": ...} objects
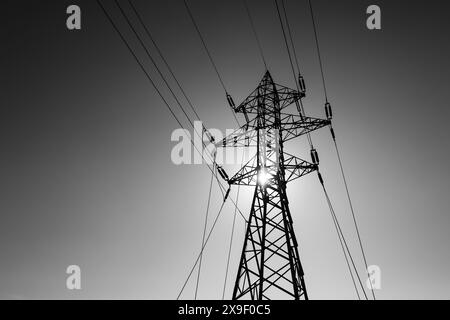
[{"x": 86, "y": 174}]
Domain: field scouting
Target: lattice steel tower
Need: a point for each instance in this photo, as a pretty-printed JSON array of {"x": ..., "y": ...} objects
[{"x": 270, "y": 266}]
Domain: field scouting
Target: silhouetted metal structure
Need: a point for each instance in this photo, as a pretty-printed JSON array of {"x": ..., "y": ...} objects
[{"x": 270, "y": 266}]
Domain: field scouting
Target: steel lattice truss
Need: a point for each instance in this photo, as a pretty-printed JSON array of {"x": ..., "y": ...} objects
[
  {"x": 270, "y": 265},
  {"x": 293, "y": 126},
  {"x": 294, "y": 168}
]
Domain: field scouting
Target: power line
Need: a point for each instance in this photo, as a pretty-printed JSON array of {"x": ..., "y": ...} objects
[
  {"x": 163, "y": 58},
  {"x": 353, "y": 215},
  {"x": 166, "y": 63},
  {"x": 302, "y": 109},
  {"x": 204, "y": 45},
  {"x": 209, "y": 55},
  {"x": 159, "y": 72},
  {"x": 145, "y": 71},
  {"x": 172, "y": 113},
  {"x": 231, "y": 238},
  {"x": 255, "y": 33},
  {"x": 333, "y": 213},
  {"x": 286, "y": 41},
  {"x": 202, "y": 249},
  {"x": 230, "y": 247},
  {"x": 335, "y": 222},
  {"x": 152, "y": 60},
  {"x": 176, "y": 80},
  {"x": 221, "y": 187},
  {"x": 290, "y": 36},
  {"x": 139, "y": 62},
  {"x": 336, "y": 147},
  {"x": 337, "y": 227},
  {"x": 318, "y": 49},
  {"x": 150, "y": 79},
  {"x": 179, "y": 104},
  {"x": 203, "y": 237}
]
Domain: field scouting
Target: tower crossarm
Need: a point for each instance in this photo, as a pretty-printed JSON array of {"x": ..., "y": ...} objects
[
  {"x": 284, "y": 95},
  {"x": 294, "y": 168},
  {"x": 293, "y": 126},
  {"x": 239, "y": 138},
  {"x": 296, "y": 125},
  {"x": 247, "y": 175}
]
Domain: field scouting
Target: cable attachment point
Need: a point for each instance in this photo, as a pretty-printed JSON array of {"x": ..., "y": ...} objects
[
  {"x": 209, "y": 136},
  {"x": 247, "y": 120},
  {"x": 328, "y": 111},
  {"x": 230, "y": 101},
  {"x": 320, "y": 177},
  {"x": 314, "y": 156},
  {"x": 222, "y": 173},
  {"x": 332, "y": 133},
  {"x": 301, "y": 83},
  {"x": 226, "y": 194},
  {"x": 299, "y": 109}
]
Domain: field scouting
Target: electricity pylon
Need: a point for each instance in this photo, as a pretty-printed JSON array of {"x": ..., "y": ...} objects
[{"x": 269, "y": 266}]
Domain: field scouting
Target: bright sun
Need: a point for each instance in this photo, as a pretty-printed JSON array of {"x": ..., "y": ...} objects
[{"x": 263, "y": 177}]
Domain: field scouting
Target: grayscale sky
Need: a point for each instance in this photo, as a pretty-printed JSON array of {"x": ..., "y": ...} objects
[{"x": 85, "y": 166}]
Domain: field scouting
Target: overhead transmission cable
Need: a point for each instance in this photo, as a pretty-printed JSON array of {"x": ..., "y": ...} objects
[
  {"x": 203, "y": 248},
  {"x": 230, "y": 246},
  {"x": 286, "y": 42},
  {"x": 345, "y": 254},
  {"x": 153, "y": 61},
  {"x": 203, "y": 236},
  {"x": 147, "y": 31},
  {"x": 318, "y": 49},
  {"x": 261, "y": 52},
  {"x": 337, "y": 149},
  {"x": 340, "y": 232},
  {"x": 122, "y": 37},
  {"x": 192, "y": 108},
  {"x": 231, "y": 237},
  {"x": 139, "y": 62},
  {"x": 167, "y": 84},
  {"x": 302, "y": 109},
  {"x": 210, "y": 58},
  {"x": 204, "y": 45},
  {"x": 354, "y": 217},
  {"x": 283, "y": 6},
  {"x": 159, "y": 71},
  {"x": 289, "y": 32}
]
